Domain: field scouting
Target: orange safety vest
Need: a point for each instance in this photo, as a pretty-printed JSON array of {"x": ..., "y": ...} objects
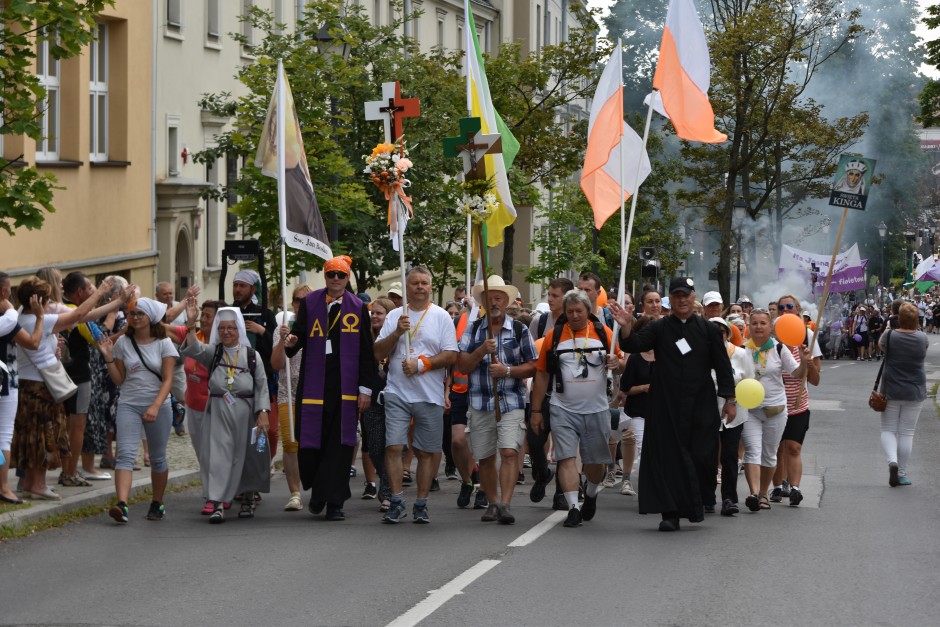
[{"x": 461, "y": 383}]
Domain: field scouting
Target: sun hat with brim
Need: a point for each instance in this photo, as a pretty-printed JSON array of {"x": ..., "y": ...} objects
[
  {"x": 721, "y": 321},
  {"x": 395, "y": 288},
  {"x": 495, "y": 283}
]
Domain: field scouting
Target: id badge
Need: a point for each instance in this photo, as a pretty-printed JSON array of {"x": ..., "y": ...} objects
[
  {"x": 683, "y": 346},
  {"x": 195, "y": 378},
  {"x": 228, "y": 398},
  {"x": 329, "y": 348}
]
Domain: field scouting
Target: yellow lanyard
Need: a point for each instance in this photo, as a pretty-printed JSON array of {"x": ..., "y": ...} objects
[
  {"x": 230, "y": 368},
  {"x": 574, "y": 341},
  {"x": 411, "y": 334},
  {"x": 336, "y": 319}
]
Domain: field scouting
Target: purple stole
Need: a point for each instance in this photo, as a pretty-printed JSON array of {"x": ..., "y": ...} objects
[{"x": 311, "y": 409}]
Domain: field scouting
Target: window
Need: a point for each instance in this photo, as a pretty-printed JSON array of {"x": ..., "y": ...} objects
[
  {"x": 487, "y": 34},
  {"x": 172, "y": 146},
  {"x": 247, "y": 29},
  {"x": 47, "y": 70},
  {"x": 174, "y": 16},
  {"x": 98, "y": 95},
  {"x": 279, "y": 16},
  {"x": 213, "y": 22},
  {"x": 441, "y": 16},
  {"x": 548, "y": 28}
]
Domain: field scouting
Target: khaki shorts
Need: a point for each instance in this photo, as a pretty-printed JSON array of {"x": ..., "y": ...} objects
[{"x": 485, "y": 435}]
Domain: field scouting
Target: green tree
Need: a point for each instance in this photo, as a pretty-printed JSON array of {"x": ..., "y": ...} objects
[{"x": 66, "y": 26}]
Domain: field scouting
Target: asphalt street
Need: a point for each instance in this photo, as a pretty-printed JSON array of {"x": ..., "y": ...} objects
[{"x": 856, "y": 552}]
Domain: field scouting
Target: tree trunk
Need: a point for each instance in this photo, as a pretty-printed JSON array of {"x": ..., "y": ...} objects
[{"x": 509, "y": 235}]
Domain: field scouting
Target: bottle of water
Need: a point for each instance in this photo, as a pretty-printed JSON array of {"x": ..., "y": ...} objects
[{"x": 261, "y": 443}]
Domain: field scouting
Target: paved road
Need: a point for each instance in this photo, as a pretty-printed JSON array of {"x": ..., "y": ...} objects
[{"x": 856, "y": 553}]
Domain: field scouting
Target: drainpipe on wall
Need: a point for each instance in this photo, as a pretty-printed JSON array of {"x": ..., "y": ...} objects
[{"x": 153, "y": 136}]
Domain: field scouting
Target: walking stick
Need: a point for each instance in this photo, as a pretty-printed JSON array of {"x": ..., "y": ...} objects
[{"x": 489, "y": 331}]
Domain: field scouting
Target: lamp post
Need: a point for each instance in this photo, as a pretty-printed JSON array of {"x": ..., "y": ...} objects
[
  {"x": 740, "y": 210},
  {"x": 883, "y": 233},
  {"x": 909, "y": 237},
  {"x": 327, "y": 46}
]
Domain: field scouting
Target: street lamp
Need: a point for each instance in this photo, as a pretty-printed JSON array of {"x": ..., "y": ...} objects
[
  {"x": 740, "y": 211},
  {"x": 909, "y": 236},
  {"x": 328, "y": 46},
  {"x": 883, "y": 233}
]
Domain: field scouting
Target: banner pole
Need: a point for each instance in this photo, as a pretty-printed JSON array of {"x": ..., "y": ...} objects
[
  {"x": 825, "y": 297},
  {"x": 401, "y": 260}
]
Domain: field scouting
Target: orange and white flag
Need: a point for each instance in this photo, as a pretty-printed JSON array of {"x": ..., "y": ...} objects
[
  {"x": 614, "y": 151},
  {"x": 682, "y": 76}
]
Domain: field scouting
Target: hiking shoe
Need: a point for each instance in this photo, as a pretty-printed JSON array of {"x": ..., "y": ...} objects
[
  {"x": 451, "y": 473},
  {"x": 627, "y": 488},
  {"x": 776, "y": 495},
  {"x": 435, "y": 485},
  {"x": 795, "y": 496},
  {"x": 157, "y": 511},
  {"x": 396, "y": 513},
  {"x": 520, "y": 479},
  {"x": 610, "y": 479},
  {"x": 893, "y": 479},
  {"x": 589, "y": 508},
  {"x": 574, "y": 518},
  {"x": 491, "y": 513},
  {"x": 480, "y": 501},
  {"x": 785, "y": 489},
  {"x": 538, "y": 490},
  {"x": 505, "y": 515},
  {"x": 294, "y": 504},
  {"x": 370, "y": 491},
  {"x": 119, "y": 513},
  {"x": 420, "y": 512},
  {"x": 463, "y": 499},
  {"x": 728, "y": 508},
  {"x": 559, "y": 503}
]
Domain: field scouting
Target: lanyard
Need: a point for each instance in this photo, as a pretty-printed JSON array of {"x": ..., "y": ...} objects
[
  {"x": 412, "y": 333},
  {"x": 336, "y": 319},
  {"x": 574, "y": 341},
  {"x": 229, "y": 368}
]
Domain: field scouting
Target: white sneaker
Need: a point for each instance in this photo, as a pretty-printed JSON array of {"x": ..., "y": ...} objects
[
  {"x": 294, "y": 504},
  {"x": 610, "y": 480},
  {"x": 627, "y": 488}
]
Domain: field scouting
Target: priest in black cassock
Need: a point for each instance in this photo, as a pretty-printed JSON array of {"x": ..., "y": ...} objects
[{"x": 678, "y": 468}]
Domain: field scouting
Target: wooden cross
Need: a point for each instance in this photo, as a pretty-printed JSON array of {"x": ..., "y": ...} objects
[
  {"x": 472, "y": 145},
  {"x": 392, "y": 109}
]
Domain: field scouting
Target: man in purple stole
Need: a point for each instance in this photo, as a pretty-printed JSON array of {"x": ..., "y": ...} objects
[{"x": 335, "y": 385}]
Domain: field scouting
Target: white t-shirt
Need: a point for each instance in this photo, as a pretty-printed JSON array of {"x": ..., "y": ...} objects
[
  {"x": 770, "y": 376},
  {"x": 141, "y": 386},
  {"x": 433, "y": 333},
  {"x": 29, "y": 362}
]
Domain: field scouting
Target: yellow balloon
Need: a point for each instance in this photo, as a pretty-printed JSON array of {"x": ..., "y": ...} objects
[{"x": 750, "y": 393}]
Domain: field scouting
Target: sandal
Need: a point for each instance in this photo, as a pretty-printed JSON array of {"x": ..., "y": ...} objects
[
  {"x": 218, "y": 515},
  {"x": 247, "y": 510},
  {"x": 764, "y": 503},
  {"x": 384, "y": 506},
  {"x": 406, "y": 478}
]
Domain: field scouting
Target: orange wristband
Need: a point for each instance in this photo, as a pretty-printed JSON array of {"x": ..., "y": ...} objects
[{"x": 427, "y": 364}]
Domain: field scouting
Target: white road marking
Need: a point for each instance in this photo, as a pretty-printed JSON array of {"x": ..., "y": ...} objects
[
  {"x": 538, "y": 530},
  {"x": 836, "y": 366},
  {"x": 437, "y": 598},
  {"x": 825, "y": 405}
]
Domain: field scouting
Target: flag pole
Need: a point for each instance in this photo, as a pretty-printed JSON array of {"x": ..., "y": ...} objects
[
  {"x": 282, "y": 213},
  {"x": 401, "y": 260},
  {"x": 625, "y": 248},
  {"x": 468, "y": 283},
  {"x": 825, "y": 297}
]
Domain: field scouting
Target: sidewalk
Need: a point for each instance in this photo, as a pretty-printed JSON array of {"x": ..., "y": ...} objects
[{"x": 183, "y": 470}]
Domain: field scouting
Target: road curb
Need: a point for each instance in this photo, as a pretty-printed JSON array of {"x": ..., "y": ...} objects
[{"x": 40, "y": 510}]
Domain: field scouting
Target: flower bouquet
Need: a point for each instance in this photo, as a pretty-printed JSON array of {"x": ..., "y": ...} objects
[{"x": 479, "y": 201}]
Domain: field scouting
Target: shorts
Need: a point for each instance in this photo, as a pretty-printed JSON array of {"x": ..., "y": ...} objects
[
  {"x": 283, "y": 419},
  {"x": 79, "y": 402},
  {"x": 485, "y": 435},
  {"x": 864, "y": 341},
  {"x": 428, "y": 419},
  {"x": 797, "y": 426},
  {"x": 585, "y": 432},
  {"x": 459, "y": 405}
]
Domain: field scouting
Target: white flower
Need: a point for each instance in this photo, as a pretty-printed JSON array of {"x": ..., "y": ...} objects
[{"x": 395, "y": 158}]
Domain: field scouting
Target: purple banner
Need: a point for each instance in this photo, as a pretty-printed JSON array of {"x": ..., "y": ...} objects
[{"x": 846, "y": 280}]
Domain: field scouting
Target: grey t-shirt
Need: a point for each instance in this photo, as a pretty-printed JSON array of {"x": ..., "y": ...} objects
[
  {"x": 141, "y": 386},
  {"x": 904, "y": 376}
]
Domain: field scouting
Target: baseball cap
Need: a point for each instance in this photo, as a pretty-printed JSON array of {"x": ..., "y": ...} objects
[
  {"x": 682, "y": 284},
  {"x": 744, "y": 299},
  {"x": 711, "y": 298}
]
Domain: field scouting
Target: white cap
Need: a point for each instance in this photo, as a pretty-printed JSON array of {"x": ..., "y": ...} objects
[{"x": 711, "y": 298}]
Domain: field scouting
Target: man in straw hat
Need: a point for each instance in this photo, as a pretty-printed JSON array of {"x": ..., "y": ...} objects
[{"x": 498, "y": 354}]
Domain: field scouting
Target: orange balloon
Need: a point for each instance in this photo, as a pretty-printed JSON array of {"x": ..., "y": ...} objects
[
  {"x": 602, "y": 297},
  {"x": 538, "y": 344},
  {"x": 790, "y": 330}
]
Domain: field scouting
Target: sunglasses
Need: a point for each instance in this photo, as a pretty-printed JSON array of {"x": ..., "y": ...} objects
[
  {"x": 336, "y": 274},
  {"x": 135, "y": 314},
  {"x": 787, "y": 307}
]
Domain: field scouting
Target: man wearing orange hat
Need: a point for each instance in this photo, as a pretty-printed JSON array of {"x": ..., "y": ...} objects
[{"x": 336, "y": 379}]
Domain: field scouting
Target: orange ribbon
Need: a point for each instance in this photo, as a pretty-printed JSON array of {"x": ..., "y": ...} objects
[{"x": 391, "y": 191}]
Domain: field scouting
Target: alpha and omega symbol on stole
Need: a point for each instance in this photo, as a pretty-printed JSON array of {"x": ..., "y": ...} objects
[{"x": 350, "y": 323}]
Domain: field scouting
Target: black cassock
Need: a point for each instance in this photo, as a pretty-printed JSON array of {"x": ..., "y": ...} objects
[{"x": 679, "y": 461}]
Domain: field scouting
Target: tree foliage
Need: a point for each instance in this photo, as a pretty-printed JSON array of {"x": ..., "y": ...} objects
[{"x": 66, "y": 26}]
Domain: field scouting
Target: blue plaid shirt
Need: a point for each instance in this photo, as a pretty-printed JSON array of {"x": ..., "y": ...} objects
[{"x": 512, "y": 392}]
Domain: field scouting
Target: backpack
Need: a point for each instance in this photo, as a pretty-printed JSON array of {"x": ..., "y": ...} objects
[
  {"x": 517, "y": 329},
  {"x": 551, "y": 358},
  {"x": 543, "y": 321}
]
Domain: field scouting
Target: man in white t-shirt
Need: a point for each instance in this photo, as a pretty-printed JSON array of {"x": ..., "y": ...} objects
[{"x": 420, "y": 345}]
